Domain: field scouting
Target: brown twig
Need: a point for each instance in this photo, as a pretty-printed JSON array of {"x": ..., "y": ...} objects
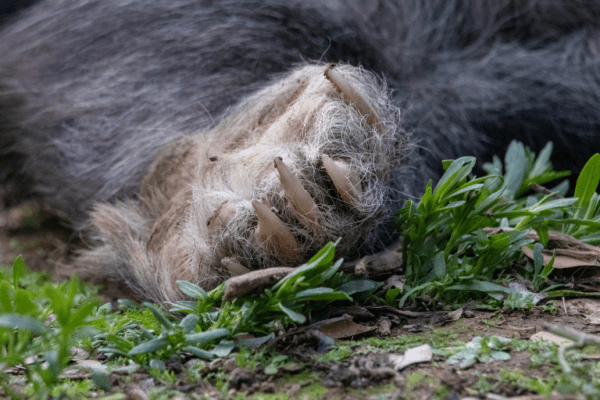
[{"x": 542, "y": 189}]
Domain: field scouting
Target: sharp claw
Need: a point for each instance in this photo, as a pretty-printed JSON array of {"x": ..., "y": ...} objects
[
  {"x": 272, "y": 233},
  {"x": 299, "y": 198},
  {"x": 353, "y": 97},
  {"x": 346, "y": 182},
  {"x": 234, "y": 267}
]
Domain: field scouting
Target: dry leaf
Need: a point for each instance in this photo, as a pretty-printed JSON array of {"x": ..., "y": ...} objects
[
  {"x": 381, "y": 263},
  {"x": 593, "y": 319},
  {"x": 583, "y": 306},
  {"x": 344, "y": 329},
  {"x": 384, "y": 327},
  {"x": 561, "y": 261},
  {"x": 524, "y": 292},
  {"x": 91, "y": 364},
  {"x": 570, "y": 252},
  {"x": 411, "y": 356},
  {"x": 79, "y": 354},
  {"x": 455, "y": 315},
  {"x": 396, "y": 281}
]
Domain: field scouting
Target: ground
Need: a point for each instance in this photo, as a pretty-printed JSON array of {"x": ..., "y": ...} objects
[
  {"x": 41, "y": 238},
  {"x": 357, "y": 367}
]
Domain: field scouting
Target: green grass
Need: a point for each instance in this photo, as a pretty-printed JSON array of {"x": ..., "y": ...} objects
[
  {"x": 447, "y": 254},
  {"x": 39, "y": 319}
]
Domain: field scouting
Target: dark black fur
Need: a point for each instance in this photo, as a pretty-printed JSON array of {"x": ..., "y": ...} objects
[{"x": 90, "y": 90}]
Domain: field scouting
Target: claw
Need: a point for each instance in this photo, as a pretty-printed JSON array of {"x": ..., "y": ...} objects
[
  {"x": 353, "y": 97},
  {"x": 346, "y": 182},
  {"x": 234, "y": 267},
  {"x": 298, "y": 197},
  {"x": 272, "y": 233}
]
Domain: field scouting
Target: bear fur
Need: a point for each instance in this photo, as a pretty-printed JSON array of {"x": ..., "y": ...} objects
[{"x": 153, "y": 127}]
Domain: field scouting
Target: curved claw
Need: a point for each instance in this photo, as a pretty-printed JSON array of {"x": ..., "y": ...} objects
[
  {"x": 353, "y": 97},
  {"x": 272, "y": 233},
  {"x": 299, "y": 198},
  {"x": 346, "y": 182}
]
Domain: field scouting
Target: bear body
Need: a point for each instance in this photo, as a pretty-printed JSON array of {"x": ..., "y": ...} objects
[{"x": 174, "y": 133}]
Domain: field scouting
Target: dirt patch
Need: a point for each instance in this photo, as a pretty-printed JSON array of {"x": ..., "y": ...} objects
[
  {"x": 44, "y": 240},
  {"x": 47, "y": 243}
]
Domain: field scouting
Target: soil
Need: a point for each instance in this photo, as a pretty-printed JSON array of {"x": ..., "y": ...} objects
[
  {"x": 44, "y": 240},
  {"x": 46, "y": 243}
]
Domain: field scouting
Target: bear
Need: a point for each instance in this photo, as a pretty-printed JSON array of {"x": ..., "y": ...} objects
[{"x": 183, "y": 137}]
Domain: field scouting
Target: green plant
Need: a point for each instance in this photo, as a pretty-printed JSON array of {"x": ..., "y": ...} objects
[
  {"x": 537, "y": 385},
  {"x": 448, "y": 256},
  {"x": 550, "y": 308},
  {"x": 163, "y": 376},
  {"x": 210, "y": 320},
  {"x": 484, "y": 385},
  {"x": 480, "y": 349},
  {"x": 144, "y": 346},
  {"x": 73, "y": 389},
  {"x": 446, "y": 252},
  {"x": 522, "y": 168},
  {"x": 25, "y": 310},
  {"x": 583, "y": 219},
  {"x": 391, "y": 294},
  {"x": 286, "y": 301},
  {"x": 541, "y": 271}
]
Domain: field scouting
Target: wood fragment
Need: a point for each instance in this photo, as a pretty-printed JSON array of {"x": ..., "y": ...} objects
[
  {"x": 254, "y": 282},
  {"x": 385, "y": 262},
  {"x": 579, "y": 338}
]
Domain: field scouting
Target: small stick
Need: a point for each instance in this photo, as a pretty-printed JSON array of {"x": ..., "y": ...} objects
[
  {"x": 542, "y": 189},
  {"x": 579, "y": 339}
]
